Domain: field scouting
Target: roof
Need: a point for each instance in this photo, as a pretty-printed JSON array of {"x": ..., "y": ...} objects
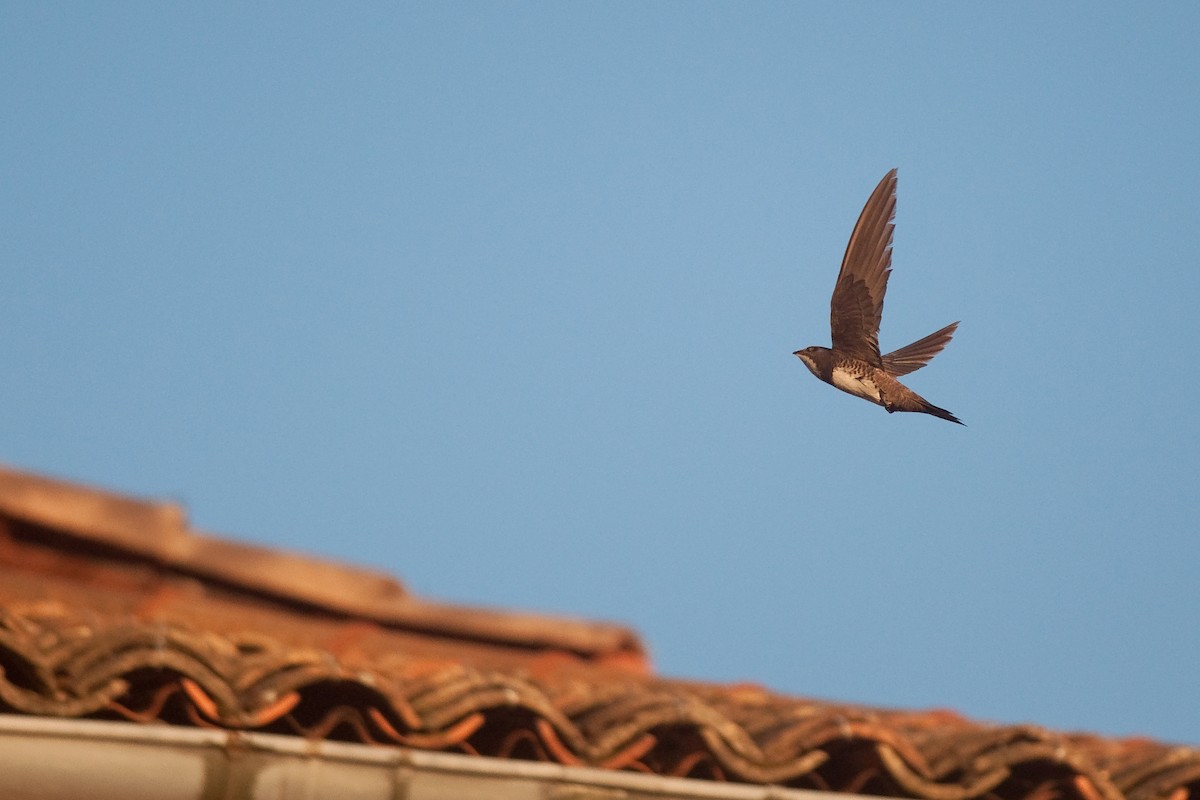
[{"x": 113, "y": 608}]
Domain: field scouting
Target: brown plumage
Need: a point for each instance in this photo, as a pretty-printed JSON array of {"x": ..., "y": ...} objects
[{"x": 854, "y": 363}]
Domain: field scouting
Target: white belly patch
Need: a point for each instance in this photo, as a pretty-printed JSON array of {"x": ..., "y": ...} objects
[{"x": 860, "y": 387}]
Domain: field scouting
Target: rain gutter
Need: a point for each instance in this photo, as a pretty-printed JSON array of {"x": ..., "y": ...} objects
[{"x": 51, "y": 758}]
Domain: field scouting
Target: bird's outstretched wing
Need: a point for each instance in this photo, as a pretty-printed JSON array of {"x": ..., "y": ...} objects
[
  {"x": 912, "y": 357},
  {"x": 857, "y": 303}
]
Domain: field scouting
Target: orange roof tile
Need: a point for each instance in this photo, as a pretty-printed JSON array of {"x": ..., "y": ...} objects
[{"x": 112, "y": 608}]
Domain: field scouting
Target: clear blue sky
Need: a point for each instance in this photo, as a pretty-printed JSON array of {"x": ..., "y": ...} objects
[{"x": 501, "y": 298}]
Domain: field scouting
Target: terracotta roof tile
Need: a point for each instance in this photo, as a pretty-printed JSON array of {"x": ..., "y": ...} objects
[
  {"x": 113, "y": 609},
  {"x": 155, "y": 537}
]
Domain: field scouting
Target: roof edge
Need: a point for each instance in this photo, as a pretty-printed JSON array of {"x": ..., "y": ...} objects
[
  {"x": 144, "y": 761},
  {"x": 147, "y": 528}
]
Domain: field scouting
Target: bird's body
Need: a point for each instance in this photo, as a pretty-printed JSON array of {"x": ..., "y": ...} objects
[
  {"x": 857, "y": 377},
  {"x": 854, "y": 363}
]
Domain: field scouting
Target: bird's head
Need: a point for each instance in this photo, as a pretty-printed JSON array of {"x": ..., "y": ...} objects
[{"x": 809, "y": 356}]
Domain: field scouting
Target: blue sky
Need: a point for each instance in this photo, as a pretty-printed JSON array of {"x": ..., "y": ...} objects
[{"x": 501, "y": 298}]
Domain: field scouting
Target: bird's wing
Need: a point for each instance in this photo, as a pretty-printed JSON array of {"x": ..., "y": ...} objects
[
  {"x": 912, "y": 357},
  {"x": 857, "y": 303}
]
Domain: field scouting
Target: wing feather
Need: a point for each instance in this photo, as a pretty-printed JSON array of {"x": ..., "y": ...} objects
[
  {"x": 857, "y": 304},
  {"x": 912, "y": 357}
]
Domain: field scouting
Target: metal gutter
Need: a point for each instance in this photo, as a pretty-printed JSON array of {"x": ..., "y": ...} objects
[{"x": 51, "y": 758}]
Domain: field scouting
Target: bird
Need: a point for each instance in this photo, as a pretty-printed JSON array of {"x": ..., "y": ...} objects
[{"x": 854, "y": 364}]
